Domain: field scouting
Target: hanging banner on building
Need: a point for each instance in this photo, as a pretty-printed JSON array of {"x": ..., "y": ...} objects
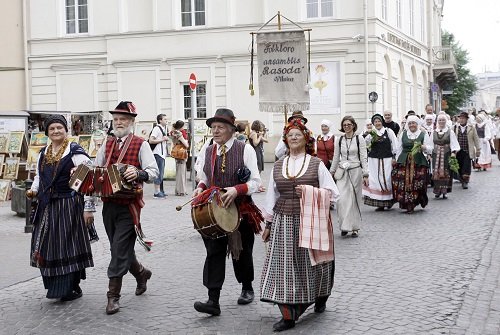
[
  {"x": 325, "y": 88},
  {"x": 282, "y": 66}
]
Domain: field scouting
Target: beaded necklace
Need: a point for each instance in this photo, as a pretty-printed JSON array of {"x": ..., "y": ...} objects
[
  {"x": 300, "y": 171},
  {"x": 50, "y": 158}
]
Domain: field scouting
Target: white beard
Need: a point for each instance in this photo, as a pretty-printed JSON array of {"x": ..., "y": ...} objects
[{"x": 122, "y": 132}]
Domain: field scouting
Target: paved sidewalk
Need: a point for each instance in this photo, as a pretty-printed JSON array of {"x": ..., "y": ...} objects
[{"x": 433, "y": 272}]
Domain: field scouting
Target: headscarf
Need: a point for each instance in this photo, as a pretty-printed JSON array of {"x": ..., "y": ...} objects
[
  {"x": 55, "y": 118},
  {"x": 445, "y": 129},
  {"x": 329, "y": 124},
  {"x": 380, "y": 131},
  {"x": 297, "y": 124},
  {"x": 367, "y": 122},
  {"x": 409, "y": 133}
]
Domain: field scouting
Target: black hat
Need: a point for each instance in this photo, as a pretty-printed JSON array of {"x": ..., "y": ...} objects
[
  {"x": 222, "y": 115},
  {"x": 297, "y": 115},
  {"x": 55, "y": 118},
  {"x": 125, "y": 107},
  {"x": 378, "y": 116},
  {"x": 178, "y": 124},
  {"x": 464, "y": 114}
]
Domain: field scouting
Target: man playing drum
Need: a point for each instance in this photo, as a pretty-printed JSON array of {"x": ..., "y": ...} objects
[
  {"x": 121, "y": 216},
  {"x": 223, "y": 165}
]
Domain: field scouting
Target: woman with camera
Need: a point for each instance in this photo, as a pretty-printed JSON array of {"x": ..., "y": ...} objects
[{"x": 180, "y": 153}]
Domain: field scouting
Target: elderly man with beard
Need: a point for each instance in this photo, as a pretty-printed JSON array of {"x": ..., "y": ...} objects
[{"x": 121, "y": 215}]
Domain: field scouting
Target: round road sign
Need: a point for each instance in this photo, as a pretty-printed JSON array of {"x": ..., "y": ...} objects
[{"x": 192, "y": 82}]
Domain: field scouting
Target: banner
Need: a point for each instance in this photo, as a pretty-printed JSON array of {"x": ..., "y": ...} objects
[
  {"x": 282, "y": 66},
  {"x": 325, "y": 88}
]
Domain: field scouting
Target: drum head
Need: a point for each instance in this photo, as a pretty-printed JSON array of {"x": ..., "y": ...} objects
[{"x": 227, "y": 218}]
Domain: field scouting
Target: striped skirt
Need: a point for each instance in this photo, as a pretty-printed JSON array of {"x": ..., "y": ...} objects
[
  {"x": 288, "y": 276},
  {"x": 60, "y": 245},
  {"x": 409, "y": 186}
]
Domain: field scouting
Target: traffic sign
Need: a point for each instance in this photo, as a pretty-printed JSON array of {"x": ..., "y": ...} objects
[
  {"x": 192, "y": 82},
  {"x": 373, "y": 96},
  {"x": 434, "y": 87}
]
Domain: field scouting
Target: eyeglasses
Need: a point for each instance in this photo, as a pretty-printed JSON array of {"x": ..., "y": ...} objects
[{"x": 347, "y": 125}]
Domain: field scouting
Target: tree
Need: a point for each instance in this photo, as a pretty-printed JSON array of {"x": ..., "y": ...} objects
[{"x": 465, "y": 86}]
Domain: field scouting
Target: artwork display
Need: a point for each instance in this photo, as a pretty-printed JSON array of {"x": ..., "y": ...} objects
[
  {"x": 15, "y": 142},
  {"x": 95, "y": 145},
  {"x": 33, "y": 152},
  {"x": 11, "y": 167},
  {"x": 2, "y": 158},
  {"x": 4, "y": 189},
  {"x": 4, "y": 142},
  {"x": 84, "y": 141},
  {"x": 143, "y": 129},
  {"x": 38, "y": 139}
]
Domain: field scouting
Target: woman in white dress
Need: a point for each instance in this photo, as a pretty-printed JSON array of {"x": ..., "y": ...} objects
[
  {"x": 484, "y": 134},
  {"x": 350, "y": 171}
]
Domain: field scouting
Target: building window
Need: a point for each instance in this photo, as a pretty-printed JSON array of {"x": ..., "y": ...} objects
[
  {"x": 193, "y": 13},
  {"x": 77, "y": 18},
  {"x": 412, "y": 18},
  {"x": 398, "y": 14},
  {"x": 319, "y": 8},
  {"x": 201, "y": 101},
  {"x": 384, "y": 10}
]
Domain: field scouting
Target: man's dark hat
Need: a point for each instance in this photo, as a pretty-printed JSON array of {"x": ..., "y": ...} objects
[
  {"x": 464, "y": 114},
  {"x": 297, "y": 115},
  {"x": 125, "y": 107},
  {"x": 222, "y": 115},
  {"x": 55, "y": 118}
]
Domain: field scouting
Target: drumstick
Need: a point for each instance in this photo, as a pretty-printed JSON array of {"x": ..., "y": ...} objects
[{"x": 178, "y": 208}]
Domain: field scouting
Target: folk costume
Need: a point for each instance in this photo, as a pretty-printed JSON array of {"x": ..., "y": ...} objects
[
  {"x": 484, "y": 133},
  {"x": 445, "y": 143},
  {"x": 383, "y": 146},
  {"x": 60, "y": 244},
  {"x": 224, "y": 166},
  {"x": 326, "y": 144},
  {"x": 281, "y": 149},
  {"x": 410, "y": 176},
  {"x": 121, "y": 216},
  {"x": 469, "y": 150},
  {"x": 349, "y": 167},
  {"x": 294, "y": 275}
]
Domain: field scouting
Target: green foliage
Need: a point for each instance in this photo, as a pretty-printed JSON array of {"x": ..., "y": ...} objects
[{"x": 466, "y": 85}]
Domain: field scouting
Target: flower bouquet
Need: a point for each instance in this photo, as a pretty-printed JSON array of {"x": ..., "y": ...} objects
[
  {"x": 417, "y": 147},
  {"x": 453, "y": 161},
  {"x": 374, "y": 135}
]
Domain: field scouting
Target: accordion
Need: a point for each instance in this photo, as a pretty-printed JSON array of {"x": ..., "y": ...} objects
[{"x": 104, "y": 181}]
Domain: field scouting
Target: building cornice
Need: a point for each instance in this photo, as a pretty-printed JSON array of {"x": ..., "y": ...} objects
[
  {"x": 137, "y": 63},
  {"x": 75, "y": 66}
]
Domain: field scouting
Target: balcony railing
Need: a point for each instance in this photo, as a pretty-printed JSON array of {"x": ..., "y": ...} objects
[{"x": 443, "y": 56}]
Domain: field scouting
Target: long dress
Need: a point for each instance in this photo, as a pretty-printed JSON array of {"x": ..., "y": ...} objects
[
  {"x": 349, "y": 166},
  {"x": 60, "y": 245},
  {"x": 378, "y": 193},
  {"x": 259, "y": 151},
  {"x": 180, "y": 167},
  {"x": 445, "y": 142},
  {"x": 484, "y": 134},
  {"x": 409, "y": 177},
  {"x": 288, "y": 278}
]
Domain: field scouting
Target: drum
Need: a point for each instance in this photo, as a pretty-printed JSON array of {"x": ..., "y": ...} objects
[{"x": 213, "y": 221}]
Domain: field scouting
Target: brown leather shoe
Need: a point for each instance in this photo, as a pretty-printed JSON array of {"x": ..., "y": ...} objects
[
  {"x": 115, "y": 286},
  {"x": 142, "y": 275}
]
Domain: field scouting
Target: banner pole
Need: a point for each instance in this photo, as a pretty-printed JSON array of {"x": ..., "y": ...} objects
[{"x": 279, "y": 20}]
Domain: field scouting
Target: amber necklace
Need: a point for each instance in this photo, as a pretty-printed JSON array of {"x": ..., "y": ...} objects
[
  {"x": 50, "y": 158},
  {"x": 300, "y": 171}
]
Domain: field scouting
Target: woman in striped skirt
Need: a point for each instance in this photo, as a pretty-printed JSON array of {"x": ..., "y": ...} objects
[
  {"x": 289, "y": 278},
  {"x": 60, "y": 244}
]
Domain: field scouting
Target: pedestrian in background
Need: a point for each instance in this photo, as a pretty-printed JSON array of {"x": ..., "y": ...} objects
[
  {"x": 241, "y": 132},
  {"x": 325, "y": 143},
  {"x": 257, "y": 139},
  {"x": 179, "y": 138},
  {"x": 159, "y": 139},
  {"x": 350, "y": 171},
  {"x": 410, "y": 176},
  {"x": 389, "y": 123},
  {"x": 445, "y": 146},
  {"x": 383, "y": 146},
  {"x": 299, "y": 183},
  {"x": 484, "y": 133},
  {"x": 60, "y": 245}
]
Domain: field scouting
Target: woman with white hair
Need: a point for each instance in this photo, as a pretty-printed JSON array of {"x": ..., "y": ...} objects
[
  {"x": 325, "y": 143},
  {"x": 445, "y": 146},
  {"x": 409, "y": 177},
  {"x": 484, "y": 134}
]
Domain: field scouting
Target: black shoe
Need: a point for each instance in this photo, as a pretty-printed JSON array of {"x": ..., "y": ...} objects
[
  {"x": 75, "y": 294},
  {"x": 343, "y": 233},
  {"x": 379, "y": 209},
  {"x": 354, "y": 233},
  {"x": 246, "y": 297},
  {"x": 437, "y": 196},
  {"x": 208, "y": 307},
  {"x": 283, "y": 325},
  {"x": 465, "y": 186},
  {"x": 319, "y": 308}
]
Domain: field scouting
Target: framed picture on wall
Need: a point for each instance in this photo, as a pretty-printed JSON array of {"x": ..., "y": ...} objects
[
  {"x": 15, "y": 142},
  {"x": 38, "y": 139},
  {"x": 4, "y": 189},
  {"x": 4, "y": 142},
  {"x": 33, "y": 152},
  {"x": 143, "y": 129},
  {"x": 2, "y": 158},
  {"x": 84, "y": 141},
  {"x": 11, "y": 167}
]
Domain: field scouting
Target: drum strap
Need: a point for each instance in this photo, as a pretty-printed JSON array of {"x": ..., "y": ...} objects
[{"x": 212, "y": 164}]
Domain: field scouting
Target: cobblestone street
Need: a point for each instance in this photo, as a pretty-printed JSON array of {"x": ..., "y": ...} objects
[{"x": 433, "y": 272}]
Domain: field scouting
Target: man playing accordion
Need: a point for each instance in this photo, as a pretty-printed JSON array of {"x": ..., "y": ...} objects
[{"x": 231, "y": 166}]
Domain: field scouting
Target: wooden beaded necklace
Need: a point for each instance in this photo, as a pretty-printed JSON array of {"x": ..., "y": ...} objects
[{"x": 300, "y": 171}]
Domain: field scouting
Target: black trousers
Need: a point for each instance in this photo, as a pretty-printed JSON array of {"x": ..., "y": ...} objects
[
  {"x": 120, "y": 229},
  {"x": 465, "y": 164},
  {"x": 214, "y": 271}
]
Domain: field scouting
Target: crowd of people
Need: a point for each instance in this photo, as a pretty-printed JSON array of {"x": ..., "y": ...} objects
[{"x": 385, "y": 164}]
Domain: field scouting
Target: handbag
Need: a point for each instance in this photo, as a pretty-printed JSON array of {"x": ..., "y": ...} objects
[{"x": 179, "y": 152}]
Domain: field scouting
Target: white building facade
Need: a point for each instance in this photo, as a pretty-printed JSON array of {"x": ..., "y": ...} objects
[{"x": 87, "y": 55}]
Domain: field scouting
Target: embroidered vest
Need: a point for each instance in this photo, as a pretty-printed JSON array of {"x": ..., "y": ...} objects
[
  {"x": 381, "y": 148},
  {"x": 234, "y": 161},
  {"x": 408, "y": 145}
]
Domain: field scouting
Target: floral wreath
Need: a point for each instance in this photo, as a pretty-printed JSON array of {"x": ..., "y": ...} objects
[{"x": 297, "y": 124}]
